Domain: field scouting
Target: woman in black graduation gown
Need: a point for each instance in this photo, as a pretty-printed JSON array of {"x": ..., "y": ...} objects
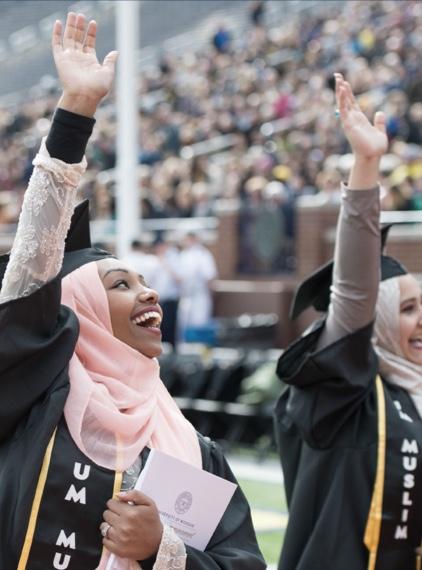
[
  {"x": 349, "y": 421},
  {"x": 81, "y": 401}
]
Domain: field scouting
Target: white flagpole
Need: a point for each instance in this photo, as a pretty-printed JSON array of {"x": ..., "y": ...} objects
[{"x": 127, "y": 193}]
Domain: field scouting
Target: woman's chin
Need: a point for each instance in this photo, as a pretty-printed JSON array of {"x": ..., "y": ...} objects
[
  {"x": 414, "y": 355},
  {"x": 152, "y": 352}
]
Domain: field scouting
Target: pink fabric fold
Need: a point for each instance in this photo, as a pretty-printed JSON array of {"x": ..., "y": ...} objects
[{"x": 117, "y": 403}]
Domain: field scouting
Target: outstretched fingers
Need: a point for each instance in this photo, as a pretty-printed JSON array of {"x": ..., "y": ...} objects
[
  {"x": 347, "y": 104},
  {"x": 90, "y": 39},
  {"x": 76, "y": 34},
  {"x": 341, "y": 102},
  {"x": 340, "y": 91},
  {"x": 79, "y": 31},
  {"x": 344, "y": 93},
  {"x": 351, "y": 100},
  {"x": 56, "y": 38},
  {"x": 69, "y": 31},
  {"x": 379, "y": 122},
  {"x": 341, "y": 96}
]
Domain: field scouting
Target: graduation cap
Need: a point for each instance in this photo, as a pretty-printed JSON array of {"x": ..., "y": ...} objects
[
  {"x": 78, "y": 236},
  {"x": 78, "y": 248},
  {"x": 315, "y": 290}
]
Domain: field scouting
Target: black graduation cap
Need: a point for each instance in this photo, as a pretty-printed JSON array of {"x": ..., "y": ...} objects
[
  {"x": 315, "y": 290},
  {"x": 78, "y": 249},
  {"x": 78, "y": 236}
]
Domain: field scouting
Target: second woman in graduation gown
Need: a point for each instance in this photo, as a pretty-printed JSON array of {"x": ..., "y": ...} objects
[{"x": 349, "y": 422}]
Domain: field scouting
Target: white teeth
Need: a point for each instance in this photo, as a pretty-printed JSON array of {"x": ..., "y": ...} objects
[{"x": 150, "y": 315}]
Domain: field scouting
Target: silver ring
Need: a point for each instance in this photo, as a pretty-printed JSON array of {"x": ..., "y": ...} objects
[{"x": 104, "y": 528}]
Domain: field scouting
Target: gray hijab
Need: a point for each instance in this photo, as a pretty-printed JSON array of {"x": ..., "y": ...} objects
[{"x": 393, "y": 365}]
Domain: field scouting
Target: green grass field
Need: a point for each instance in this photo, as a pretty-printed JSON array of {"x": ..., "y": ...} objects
[{"x": 269, "y": 513}]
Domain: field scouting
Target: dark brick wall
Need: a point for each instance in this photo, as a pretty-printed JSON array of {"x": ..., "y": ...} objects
[{"x": 234, "y": 294}]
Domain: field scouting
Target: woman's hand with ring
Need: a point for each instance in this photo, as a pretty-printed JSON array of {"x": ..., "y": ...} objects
[
  {"x": 134, "y": 528},
  {"x": 104, "y": 528}
]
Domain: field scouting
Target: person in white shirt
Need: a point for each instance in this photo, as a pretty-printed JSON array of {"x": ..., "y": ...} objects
[
  {"x": 143, "y": 261},
  {"x": 167, "y": 280},
  {"x": 198, "y": 270}
]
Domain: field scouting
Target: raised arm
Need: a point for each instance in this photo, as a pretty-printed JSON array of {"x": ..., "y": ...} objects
[
  {"x": 49, "y": 201},
  {"x": 357, "y": 250}
]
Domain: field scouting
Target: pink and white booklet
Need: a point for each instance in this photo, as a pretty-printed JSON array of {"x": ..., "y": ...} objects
[{"x": 190, "y": 500}]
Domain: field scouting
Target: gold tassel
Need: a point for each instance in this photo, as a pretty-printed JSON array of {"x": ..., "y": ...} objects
[{"x": 419, "y": 558}]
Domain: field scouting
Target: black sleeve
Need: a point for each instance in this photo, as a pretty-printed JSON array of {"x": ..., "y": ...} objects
[
  {"x": 233, "y": 545},
  {"x": 68, "y": 136},
  {"x": 37, "y": 339},
  {"x": 327, "y": 386},
  {"x": 148, "y": 564}
]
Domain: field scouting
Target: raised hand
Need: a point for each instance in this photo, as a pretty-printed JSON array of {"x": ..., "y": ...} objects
[
  {"x": 85, "y": 81},
  {"x": 367, "y": 141}
]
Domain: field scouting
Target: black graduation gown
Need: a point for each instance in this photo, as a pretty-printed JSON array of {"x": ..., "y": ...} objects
[
  {"x": 327, "y": 429},
  {"x": 37, "y": 339}
]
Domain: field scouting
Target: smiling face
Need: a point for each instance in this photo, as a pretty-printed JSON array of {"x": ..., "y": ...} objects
[
  {"x": 410, "y": 318},
  {"x": 134, "y": 311}
]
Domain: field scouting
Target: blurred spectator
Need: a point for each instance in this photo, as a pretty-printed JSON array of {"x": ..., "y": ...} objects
[
  {"x": 166, "y": 281},
  {"x": 414, "y": 120},
  {"x": 6, "y": 207},
  {"x": 269, "y": 228},
  {"x": 221, "y": 39},
  {"x": 143, "y": 261},
  {"x": 202, "y": 204},
  {"x": 197, "y": 269},
  {"x": 257, "y": 12},
  {"x": 398, "y": 198},
  {"x": 416, "y": 198}
]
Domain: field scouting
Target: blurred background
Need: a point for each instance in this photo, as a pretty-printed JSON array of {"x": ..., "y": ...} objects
[{"x": 239, "y": 157}]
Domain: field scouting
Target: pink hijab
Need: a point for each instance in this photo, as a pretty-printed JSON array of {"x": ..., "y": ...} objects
[{"x": 117, "y": 403}]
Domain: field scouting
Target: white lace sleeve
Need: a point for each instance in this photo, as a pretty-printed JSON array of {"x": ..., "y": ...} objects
[
  {"x": 49, "y": 201},
  {"x": 172, "y": 553}
]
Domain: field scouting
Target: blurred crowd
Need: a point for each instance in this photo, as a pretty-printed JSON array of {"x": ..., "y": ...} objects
[{"x": 250, "y": 118}]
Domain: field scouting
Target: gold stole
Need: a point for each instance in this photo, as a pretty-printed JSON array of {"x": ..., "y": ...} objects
[{"x": 373, "y": 524}]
